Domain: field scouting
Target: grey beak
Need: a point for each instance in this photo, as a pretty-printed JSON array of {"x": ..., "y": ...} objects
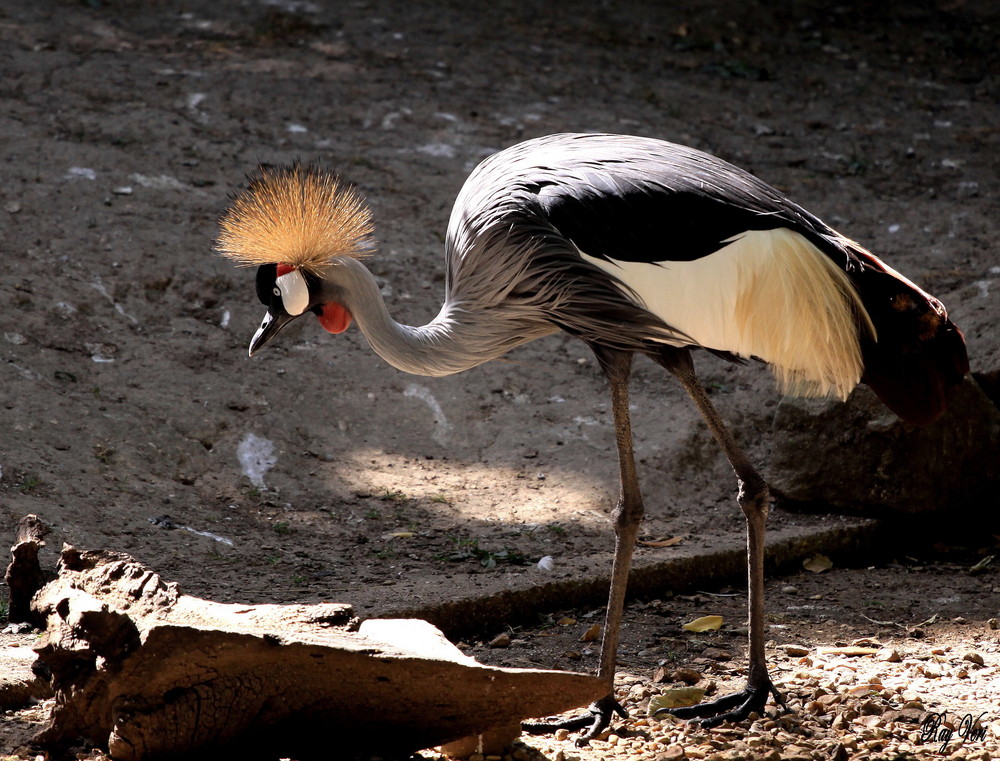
[{"x": 269, "y": 328}]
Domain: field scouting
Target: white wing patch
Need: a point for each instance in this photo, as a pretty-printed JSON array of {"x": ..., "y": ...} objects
[{"x": 769, "y": 294}]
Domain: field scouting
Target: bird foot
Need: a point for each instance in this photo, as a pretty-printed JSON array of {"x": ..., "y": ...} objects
[
  {"x": 732, "y": 708},
  {"x": 597, "y": 719}
]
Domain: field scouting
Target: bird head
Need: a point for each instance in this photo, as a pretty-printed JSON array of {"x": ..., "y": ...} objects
[
  {"x": 918, "y": 354},
  {"x": 294, "y": 224}
]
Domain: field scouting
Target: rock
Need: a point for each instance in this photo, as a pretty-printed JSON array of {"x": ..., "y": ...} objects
[
  {"x": 672, "y": 753},
  {"x": 796, "y": 651},
  {"x": 501, "y": 640},
  {"x": 688, "y": 676},
  {"x": 716, "y": 654},
  {"x": 974, "y": 309},
  {"x": 888, "y": 655},
  {"x": 973, "y": 657},
  {"x": 858, "y": 457}
]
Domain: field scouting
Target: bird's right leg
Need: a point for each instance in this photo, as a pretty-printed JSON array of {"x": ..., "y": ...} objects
[
  {"x": 753, "y": 501},
  {"x": 626, "y": 518}
]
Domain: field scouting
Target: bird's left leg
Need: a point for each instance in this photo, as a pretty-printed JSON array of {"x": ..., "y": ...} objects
[
  {"x": 753, "y": 501},
  {"x": 626, "y": 518}
]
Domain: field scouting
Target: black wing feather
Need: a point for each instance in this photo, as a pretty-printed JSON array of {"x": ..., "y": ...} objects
[{"x": 645, "y": 200}]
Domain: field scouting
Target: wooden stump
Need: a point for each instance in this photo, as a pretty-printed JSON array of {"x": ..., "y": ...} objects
[
  {"x": 148, "y": 673},
  {"x": 24, "y": 575}
]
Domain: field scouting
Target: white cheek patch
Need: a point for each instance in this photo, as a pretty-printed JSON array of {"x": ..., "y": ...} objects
[{"x": 294, "y": 292}]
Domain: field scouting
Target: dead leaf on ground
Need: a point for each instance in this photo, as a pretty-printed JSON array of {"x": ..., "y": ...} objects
[
  {"x": 660, "y": 542},
  {"x": 675, "y": 698},
  {"x": 817, "y": 563},
  {"x": 703, "y": 624}
]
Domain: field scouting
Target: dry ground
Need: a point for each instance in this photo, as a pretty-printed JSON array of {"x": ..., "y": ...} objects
[{"x": 128, "y": 395}]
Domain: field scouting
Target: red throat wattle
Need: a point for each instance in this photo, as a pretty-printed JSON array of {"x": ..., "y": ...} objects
[{"x": 334, "y": 318}]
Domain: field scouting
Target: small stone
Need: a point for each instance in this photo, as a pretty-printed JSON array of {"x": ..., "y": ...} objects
[
  {"x": 562, "y": 734},
  {"x": 871, "y": 708},
  {"x": 716, "y": 654},
  {"x": 688, "y": 676},
  {"x": 501, "y": 640},
  {"x": 863, "y": 690},
  {"x": 790, "y": 590},
  {"x": 638, "y": 692},
  {"x": 591, "y": 634},
  {"x": 887, "y": 655},
  {"x": 973, "y": 657},
  {"x": 796, "y": 651},
  {"x": 672, "y": 753}
]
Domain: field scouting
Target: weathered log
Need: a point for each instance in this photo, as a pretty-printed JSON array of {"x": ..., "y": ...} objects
[
  {"x": 24, "y": 575},
  {"x": 147, "y": 672}
]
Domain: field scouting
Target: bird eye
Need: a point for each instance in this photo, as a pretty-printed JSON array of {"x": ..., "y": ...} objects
[{"x": 276, "y": 291}]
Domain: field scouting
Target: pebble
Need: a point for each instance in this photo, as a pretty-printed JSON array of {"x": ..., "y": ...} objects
[
  {"x": 796, "y": 651},
  {"x": 687, "y": 675},
  {"x": 501, "y": 640},
  {"x": 716, "y": 654}
]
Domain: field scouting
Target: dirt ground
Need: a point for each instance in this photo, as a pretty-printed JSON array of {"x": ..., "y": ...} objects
[{"x": 132, "y": 418}]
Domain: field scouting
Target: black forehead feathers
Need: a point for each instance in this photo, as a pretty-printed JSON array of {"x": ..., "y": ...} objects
[{"x": 266, "y": 275}]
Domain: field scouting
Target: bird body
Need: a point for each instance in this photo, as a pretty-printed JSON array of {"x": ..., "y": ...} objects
[
  {"x": 629, "y": 243},
  {"x": 633, "y": 245}
]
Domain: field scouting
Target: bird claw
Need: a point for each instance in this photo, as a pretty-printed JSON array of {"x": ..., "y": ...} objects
[
  {"x": 598, "y": 718},
  {"x": 732, "y": 708}
]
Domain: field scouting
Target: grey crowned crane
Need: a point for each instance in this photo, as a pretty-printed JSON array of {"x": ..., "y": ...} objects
[{"x": 633, "y": 245}]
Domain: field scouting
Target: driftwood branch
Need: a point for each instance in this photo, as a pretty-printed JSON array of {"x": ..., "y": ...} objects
[{"x": 147, "y": 672}]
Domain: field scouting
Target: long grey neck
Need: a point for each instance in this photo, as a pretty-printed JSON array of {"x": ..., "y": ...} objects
[{"x": 455, "y": 340}]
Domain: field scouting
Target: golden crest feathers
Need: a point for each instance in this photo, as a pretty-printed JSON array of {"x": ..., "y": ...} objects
[{"x": 300, "y": 216}]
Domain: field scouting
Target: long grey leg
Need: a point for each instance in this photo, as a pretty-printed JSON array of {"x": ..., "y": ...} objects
[
  {"x": 626, "y": 517},
  {"x": 753, "y": 501}
]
